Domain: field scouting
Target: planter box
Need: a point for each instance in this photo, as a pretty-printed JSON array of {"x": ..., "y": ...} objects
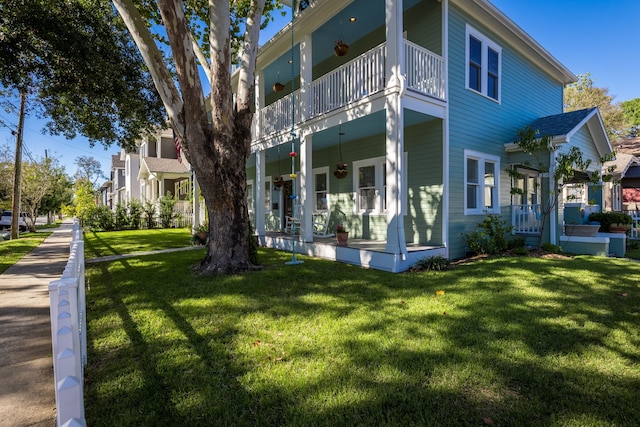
[{"x": 584, "y": 230}]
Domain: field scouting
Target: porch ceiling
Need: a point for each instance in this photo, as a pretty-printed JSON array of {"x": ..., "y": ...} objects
[{"x": 364, "y": 127}]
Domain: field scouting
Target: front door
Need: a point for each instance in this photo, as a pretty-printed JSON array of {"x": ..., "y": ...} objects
[{"x": 287, "y": 202}]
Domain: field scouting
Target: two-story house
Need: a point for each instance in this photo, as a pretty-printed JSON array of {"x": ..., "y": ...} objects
[{"x": 422, "y": 109}]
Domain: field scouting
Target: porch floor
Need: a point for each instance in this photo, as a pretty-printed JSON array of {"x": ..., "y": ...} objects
[{"x": 361, "y": 252}]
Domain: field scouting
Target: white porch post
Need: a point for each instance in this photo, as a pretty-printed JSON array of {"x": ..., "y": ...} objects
[
  {"x": 260, "y": 193},
  {"x": 259, "y": 100},
  {"x": 306, "y": 75},
  {"x": 196, "y": 201},
  {"x": 306, "y": 186},
  {"x": 161, "y": 186},
  {"x": 394, "y": 68}
]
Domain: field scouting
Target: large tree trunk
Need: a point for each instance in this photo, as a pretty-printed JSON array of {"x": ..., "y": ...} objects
[{"x": 218, "y": 148}]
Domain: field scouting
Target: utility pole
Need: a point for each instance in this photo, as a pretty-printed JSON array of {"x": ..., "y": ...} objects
[{"x": 17, "y": 169}]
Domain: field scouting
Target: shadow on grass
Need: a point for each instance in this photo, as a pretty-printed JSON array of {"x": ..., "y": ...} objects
[{"x": 328, "y": 344}]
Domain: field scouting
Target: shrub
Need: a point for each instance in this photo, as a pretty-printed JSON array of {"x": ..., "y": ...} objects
[
  {"x": 149, "y": 211},
  {"x": 167, "y": 202},
  {"x": 253, "y": 246},
  {"x": 520, "y": 250},
  {"x": 434, "y": 263},
  {"x": 102, "y": 219},
  {"x": 550, "y": 247},
  {"x": 490, "y": 237},
  {"x": 135, "y": 214},
  {"x": 516, "y": 242},
  {"x": 122, "y": 221},
  {"x": 607, "y": 218}
]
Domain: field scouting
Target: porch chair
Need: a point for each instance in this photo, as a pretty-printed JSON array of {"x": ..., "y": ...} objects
[
  {"x": 321, "y": 224},
  {"x": 292, "y": 223}
]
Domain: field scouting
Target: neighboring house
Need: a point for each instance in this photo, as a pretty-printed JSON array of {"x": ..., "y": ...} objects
[
  {"x": 118, "y": 185},
  {"x": 160, "y": 172},
  {"x": 104, "y": 195},
  {"x": 422, "y": 109},
  {"x": 622, "y": 193}
]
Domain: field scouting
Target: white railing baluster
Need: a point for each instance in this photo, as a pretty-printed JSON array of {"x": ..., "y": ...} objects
[{"x": 525, "y": 219}]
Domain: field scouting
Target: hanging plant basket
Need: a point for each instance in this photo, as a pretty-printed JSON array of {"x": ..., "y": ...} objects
[
  {"x": 340, "y": 173},
  {"x": 278, "y": 182},
  {"x": 341, "y": 48},
  {"x": 277, "y": 86}
]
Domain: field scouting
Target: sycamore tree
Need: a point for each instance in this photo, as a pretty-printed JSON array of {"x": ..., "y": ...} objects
[
  {"x": 631, "y": 110},
  {"x": 214, "y": 130},
  {"x": 584, "y": 94}
]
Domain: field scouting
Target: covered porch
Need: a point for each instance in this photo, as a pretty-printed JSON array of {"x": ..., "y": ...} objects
[{"x": 360, "y": 252}]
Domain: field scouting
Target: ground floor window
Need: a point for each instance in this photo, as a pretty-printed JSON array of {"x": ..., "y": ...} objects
[
  {"x": 527, "y": 182},
  {"x": 482, "y": 178},
  {"x": 370, "y": 185},
  {"x": 249, "y": 195},
  {"x": 321, "y": 189}
]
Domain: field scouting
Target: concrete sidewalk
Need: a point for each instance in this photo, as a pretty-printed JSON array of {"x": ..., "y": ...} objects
[{"x": 27, "y": 392}]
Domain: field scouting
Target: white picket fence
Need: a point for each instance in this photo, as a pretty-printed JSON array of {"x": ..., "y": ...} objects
[
  {"x": 634, "y": 233},
  {"x": 69, "y": 335}
]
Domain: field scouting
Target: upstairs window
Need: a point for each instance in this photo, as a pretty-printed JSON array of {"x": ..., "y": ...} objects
[{"x": 484, "y": 64}]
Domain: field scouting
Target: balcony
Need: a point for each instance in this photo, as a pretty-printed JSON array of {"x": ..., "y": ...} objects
[{"x": 350, "y": 83}]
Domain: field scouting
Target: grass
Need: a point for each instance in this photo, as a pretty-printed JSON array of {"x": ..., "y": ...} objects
[
  {"x": 11, "y": 251},
  {"x": 98, "y": 244},
  {"x": 511, "y": 341}
]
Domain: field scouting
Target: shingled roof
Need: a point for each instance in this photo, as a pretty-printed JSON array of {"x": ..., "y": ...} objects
[
  {"x": 560, "y": 124},
  {"x": 116, "y": 163},
  {"x": 623, "y": 162},
  {"x": 158, "y": 165}
]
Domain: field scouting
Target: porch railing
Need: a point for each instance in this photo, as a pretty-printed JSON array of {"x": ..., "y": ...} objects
[
  {"x": 634, "y": 232},
  {"x": 351, "y": 82},
  {"x": 526, "y": 219},
  {"x": 348, "y": 83},
  {"x": 425, "y": 70}
]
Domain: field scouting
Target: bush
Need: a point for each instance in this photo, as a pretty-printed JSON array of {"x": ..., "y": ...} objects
[
  {"x": 549, "y": 247},
  {"x": 433, "y": 263},
  {"x": 607, "y": 218},
  {"x": 167, "y": 202},
  {"x": 122, "y": 220},
  {"x": 490, "y": 237},
  {"x": 516, "y": 242},
  {"x": 102, "y": 219},
  {"x": 149, "y": 211},
  {"x": 253, "y": 246},
  {"x": 135, "y": 214},
  {"x": 520, "y": 250}
]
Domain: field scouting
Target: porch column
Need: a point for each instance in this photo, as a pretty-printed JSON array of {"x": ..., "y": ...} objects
[
  {"x": 161, "y": 185},
  {"x": 196, "y": 201},
  {"x": 553, "y": 215},
  {"x": 306, "y": 186},
  {"x": 306, "y": 75},
  {"x": 260, "y": 193},
  {"x": 394, "y": 65},
  {"x": 259, "y": 102}
]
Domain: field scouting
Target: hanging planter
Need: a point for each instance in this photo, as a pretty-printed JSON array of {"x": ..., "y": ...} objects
[
  {"x": 341, "y": 170},
  {"x": 341, "y": 48},
  {"x": 278, "y": 182},
  {"x": 278, "y": 87}
]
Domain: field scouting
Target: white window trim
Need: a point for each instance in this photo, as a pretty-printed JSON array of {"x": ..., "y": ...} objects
[
  {"x": 314, "y": 172},
  {"x": 486, "y": 43},
  {"x": 269, "y": 188},
  {"x": 377, "y": 162},
  {"x": 251, "y": 196},
  {"x": 482, "y": 158}
]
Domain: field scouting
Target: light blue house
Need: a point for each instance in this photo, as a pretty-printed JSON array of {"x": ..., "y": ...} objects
[{"x": 421, "y": 109}]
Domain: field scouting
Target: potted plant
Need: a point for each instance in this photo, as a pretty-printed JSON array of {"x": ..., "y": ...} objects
[
  {"x": 341, "y": 170},
  {"x": 278, "y": 181},
  {"x": 612, "y": 222},
  {"x": 200, "y": 234},
  {"x": 341, "y": 48},
  {"x": 342, "y": 235}
]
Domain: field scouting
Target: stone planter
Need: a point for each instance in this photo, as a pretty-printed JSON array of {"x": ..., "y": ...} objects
[
  {"x": 342, "y": 238},
  {"x": 582, "y": 230}
]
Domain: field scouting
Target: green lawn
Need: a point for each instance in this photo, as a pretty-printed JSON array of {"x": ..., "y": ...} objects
[
  {"x": 11, "y": 251},
  {"x": 511, "y": 341},
  {"x": 98, "y": 244}
]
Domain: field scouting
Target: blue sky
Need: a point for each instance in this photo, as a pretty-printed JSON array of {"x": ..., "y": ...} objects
[{"x": 597, "y": 36}]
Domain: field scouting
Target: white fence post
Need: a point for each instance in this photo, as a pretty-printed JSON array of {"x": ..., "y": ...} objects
[{"x": 68, "y": 335}]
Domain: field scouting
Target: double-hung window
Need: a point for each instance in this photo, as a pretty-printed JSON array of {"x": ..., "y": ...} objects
[
  {"x": 484, "y": 64},
  {"x": 321, "y": 189},
  {"x": 249, "y": 195},
  {"x": 482, "y": 178},
  {"x": 370, "y": 185},
  {"x": 267, "y": 194}
]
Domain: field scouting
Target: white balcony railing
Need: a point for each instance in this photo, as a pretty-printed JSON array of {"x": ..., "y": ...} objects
[
  {"x": 351, "y": 82},
  {"x": 526, "y": 219},
  {"x": 425, "y": 70}
]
